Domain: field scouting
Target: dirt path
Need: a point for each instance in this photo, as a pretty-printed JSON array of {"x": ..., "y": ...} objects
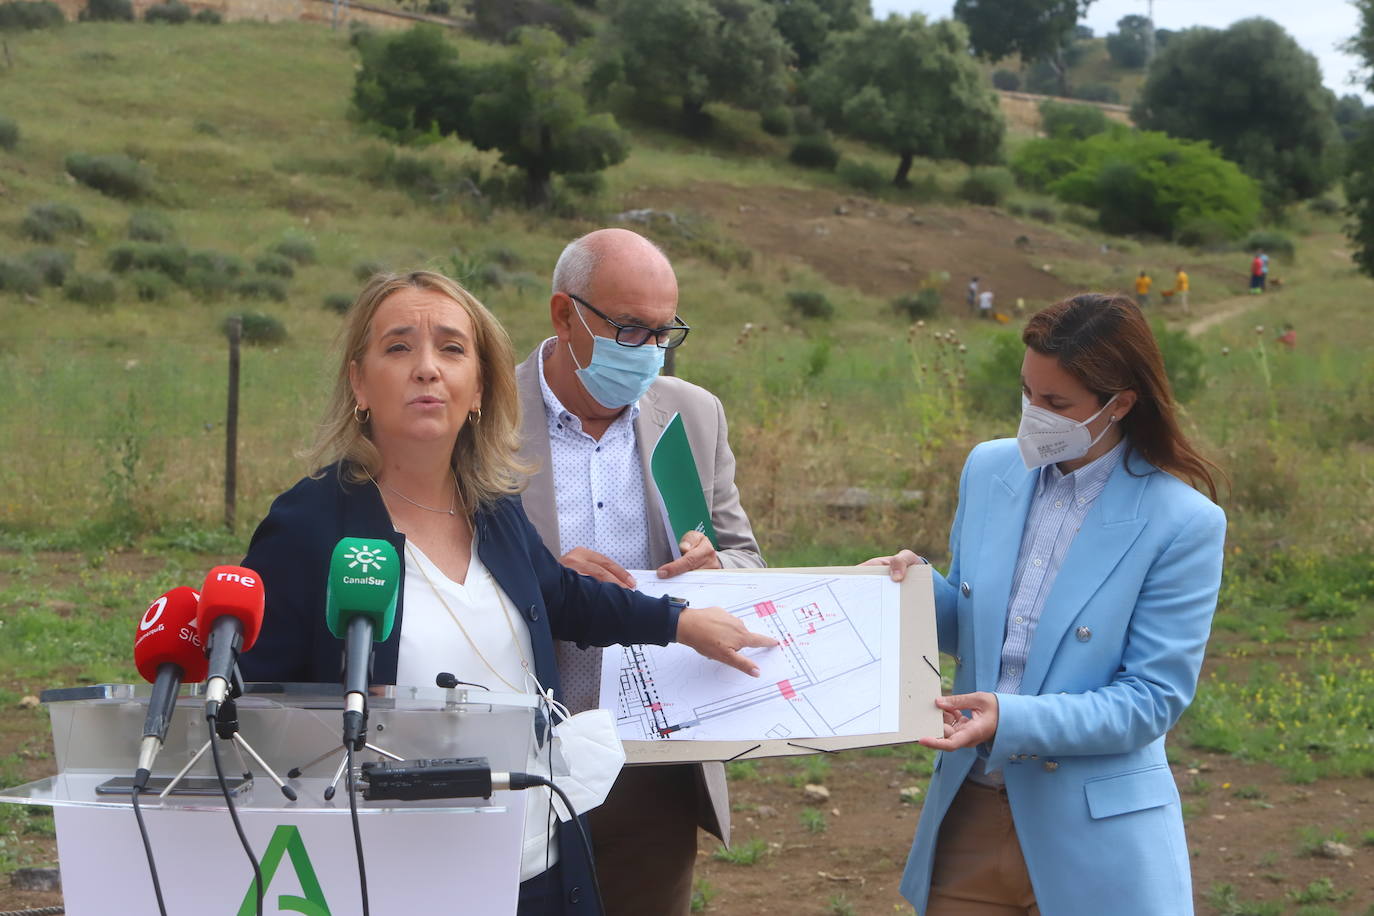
[{"x": 1225, "y": 310}]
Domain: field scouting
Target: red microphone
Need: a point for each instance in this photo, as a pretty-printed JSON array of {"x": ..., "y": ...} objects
[
  {"x": 228, "y": 618},
  {"x": 167, "y": 651}
]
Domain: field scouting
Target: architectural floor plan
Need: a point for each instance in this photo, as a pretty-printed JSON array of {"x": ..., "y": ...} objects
[{"x": 827, "y": 676}]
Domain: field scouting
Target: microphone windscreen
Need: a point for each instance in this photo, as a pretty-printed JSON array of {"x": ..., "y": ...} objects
[
  {"x": 232, "y": 591},
  {"x": 364, "y": 575},
  {"x": 167, "y": 633}
]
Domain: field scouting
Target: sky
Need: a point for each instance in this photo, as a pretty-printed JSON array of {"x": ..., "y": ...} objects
[{"x": 1317, "y": 25}]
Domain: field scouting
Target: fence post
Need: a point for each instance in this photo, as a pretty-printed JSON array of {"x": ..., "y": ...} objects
[{"x": 231, "y": 423}]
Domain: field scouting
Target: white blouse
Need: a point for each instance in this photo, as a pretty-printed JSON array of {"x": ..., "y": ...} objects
[{"x": 432, "y": 642}]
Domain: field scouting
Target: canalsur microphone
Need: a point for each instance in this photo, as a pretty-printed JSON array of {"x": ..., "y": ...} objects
[
  {"x": 229, "y": 617},
  {"x": 360, "y": 608},
  {"x": 167, "y": 651}
]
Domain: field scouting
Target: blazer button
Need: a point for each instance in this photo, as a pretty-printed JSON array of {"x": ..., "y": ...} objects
[
  {"x": 532, "y": 613},
  {"x": 1051, "y": 766},
  {"x": 1083, "y": 633},
  {"x": 575, "y": 895},
  {"x": 964, "y": 589}
]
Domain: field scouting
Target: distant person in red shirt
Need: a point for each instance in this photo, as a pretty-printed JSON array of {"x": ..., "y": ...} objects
[{"x": 1257, "y": 274}]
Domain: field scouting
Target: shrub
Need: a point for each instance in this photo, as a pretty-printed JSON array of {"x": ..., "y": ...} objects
[
  {"x": 1078, "y": 122},
  {"x": 776, "y": 120},
  {"x": 588, "y": 184},
  {"x": 50, "y": 264},
  {"x": 150, "y": 226},
  {"x": 988, "y": 186},
  {"x": 438, "y": 7},
  {"x": 338, "y": 302},
  {"x": 18, "y": 277},
  {"x": 1043, "y": 212},
  {"x": 211, "y": 274},
  {"x": 1207, "y": 234},
  {"x": 366, "y": 270},
  {"x": 45, "y": 222},
  {"x": 113, "y": 174},
  {"x": 810, "y": 303},
  {"x": 924, "y": 304},
  {"x": 274, "y": 265},
  {"x": 1040, "y": 163},
  {"x": 1097, "y": 92},
  {"x": 805, "y": 121},
  {"x": 257, "y": 286},
  {"x": 1006, "y": 80},
  {"x": 1324, "y": 205},
  {"x": 258, "y": 328},
  {"x": 9, "y": 133},
  {"x": 1183, "y": 361},
  {"x": 992, "y": 382},
  {"x": 1272, "y": 241},
  {"x": 150, "y": 285},
  {"x": 173, "y": 12},
  {"x": 26, "y": 15},
  {"x": 208, "y": 17},
  {"x": 90, "y": 289},
  {"x": 814, "y": 151},
  {"x": 1146, "y": 181},
  {"x": 170, "y": 260},
  {"x": 863, "y": 176},
  {"x": 108, "y": 11},
  {"x": 295, "y": 247}
]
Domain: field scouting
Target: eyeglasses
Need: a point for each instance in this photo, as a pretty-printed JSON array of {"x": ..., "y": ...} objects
[{"x": 636, "y": 335}]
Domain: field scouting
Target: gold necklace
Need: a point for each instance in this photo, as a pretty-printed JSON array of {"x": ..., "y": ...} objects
[
  {"x": 453, "y": 503},
  {"x": 515, "y": 640}
]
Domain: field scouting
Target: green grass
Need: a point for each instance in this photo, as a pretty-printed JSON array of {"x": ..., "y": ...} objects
[{"x": 746, "y": 853}]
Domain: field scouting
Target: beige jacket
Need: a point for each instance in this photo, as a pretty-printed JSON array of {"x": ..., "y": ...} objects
[{"x": 704, "y": 419}]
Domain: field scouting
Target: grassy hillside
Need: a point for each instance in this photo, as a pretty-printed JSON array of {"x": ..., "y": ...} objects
[{"x": 849, "y": 429}]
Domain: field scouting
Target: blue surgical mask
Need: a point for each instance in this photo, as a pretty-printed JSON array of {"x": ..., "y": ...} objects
[{"x": 616, "y": 375}]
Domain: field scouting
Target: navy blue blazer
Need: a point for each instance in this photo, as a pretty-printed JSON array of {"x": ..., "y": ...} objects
[{"x": 291, "y": 550}]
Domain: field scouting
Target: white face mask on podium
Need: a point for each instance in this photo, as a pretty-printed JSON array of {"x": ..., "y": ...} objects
[
  {"x": 1046, "y": 437},
  {"x": 587, "y": 755}
]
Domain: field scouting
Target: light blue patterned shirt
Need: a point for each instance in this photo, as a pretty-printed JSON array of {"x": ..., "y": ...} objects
[{"x": 1058, "y": 507}]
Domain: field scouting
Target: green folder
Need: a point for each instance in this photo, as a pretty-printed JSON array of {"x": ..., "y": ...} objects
[{"x": 679, "y": 485}]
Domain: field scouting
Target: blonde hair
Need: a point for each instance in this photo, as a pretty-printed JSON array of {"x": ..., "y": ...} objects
[{"x": 484, "y": 456}]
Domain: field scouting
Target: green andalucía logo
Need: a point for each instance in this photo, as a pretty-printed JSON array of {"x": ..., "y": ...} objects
[
  {"x": 286, "y": 840},
  {"x": 366, "y": 556}
]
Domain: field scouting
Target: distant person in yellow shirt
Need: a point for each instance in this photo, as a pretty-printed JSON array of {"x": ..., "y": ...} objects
[
  {"x": 1181, "y": 288},
  {"x": 1142, "y": 288}
]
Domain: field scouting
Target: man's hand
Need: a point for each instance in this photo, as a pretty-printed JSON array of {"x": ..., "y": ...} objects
[
  {"x": 719, "y": 635},
  {"x": 966, "y": 731},
  {"x": 697, "y": 553},
  {"x": 597, "y": 565},
  {"x": 897, "y": 563}
]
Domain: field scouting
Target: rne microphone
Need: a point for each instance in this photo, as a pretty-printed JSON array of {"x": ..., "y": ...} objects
[
  {"x": 229, "y": 618},
  {"x": 167, "y": 651},
  {"x": 360, "y": 608}
]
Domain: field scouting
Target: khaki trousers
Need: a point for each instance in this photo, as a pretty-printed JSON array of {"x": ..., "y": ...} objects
[
  {"x": 979, "y": 869},
  {"x": 645, "y": 840}
]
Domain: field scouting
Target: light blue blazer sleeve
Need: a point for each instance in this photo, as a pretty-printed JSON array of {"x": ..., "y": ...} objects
[{"x": 1160, "y": 663}]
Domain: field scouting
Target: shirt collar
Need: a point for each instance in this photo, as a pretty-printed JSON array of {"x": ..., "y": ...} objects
[
  {"x": 557, "y": 413},
  {"x": 1089, "y": 480}
]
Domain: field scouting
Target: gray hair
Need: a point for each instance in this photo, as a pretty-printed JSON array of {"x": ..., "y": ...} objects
[
  {"x": 580, "y": 259},
  {"x": 577, "y": 263}
]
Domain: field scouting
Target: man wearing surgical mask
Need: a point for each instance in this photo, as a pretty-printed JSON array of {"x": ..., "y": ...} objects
[{"x": 594, "y": 406}]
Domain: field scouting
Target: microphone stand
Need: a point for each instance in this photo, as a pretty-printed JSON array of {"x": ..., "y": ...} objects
[
  {"x": 227, "y": 729},
  {"x": 342, "y": 749}
]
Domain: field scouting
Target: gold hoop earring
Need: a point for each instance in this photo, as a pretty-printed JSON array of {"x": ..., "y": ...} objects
[
  {"x": 475, "y": 416},
  {"x": 361, "y": 418}
]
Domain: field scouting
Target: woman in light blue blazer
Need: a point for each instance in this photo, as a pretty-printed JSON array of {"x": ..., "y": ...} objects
[{"x": 1083, "y": 577}]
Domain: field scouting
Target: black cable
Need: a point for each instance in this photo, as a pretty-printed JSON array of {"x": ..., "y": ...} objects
[
  {"x": 148, "y": 850},
  {"x": 534, "y": 779},
  {"x": 352, "y": 788},
  {"x": 234, "y": 815}
]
